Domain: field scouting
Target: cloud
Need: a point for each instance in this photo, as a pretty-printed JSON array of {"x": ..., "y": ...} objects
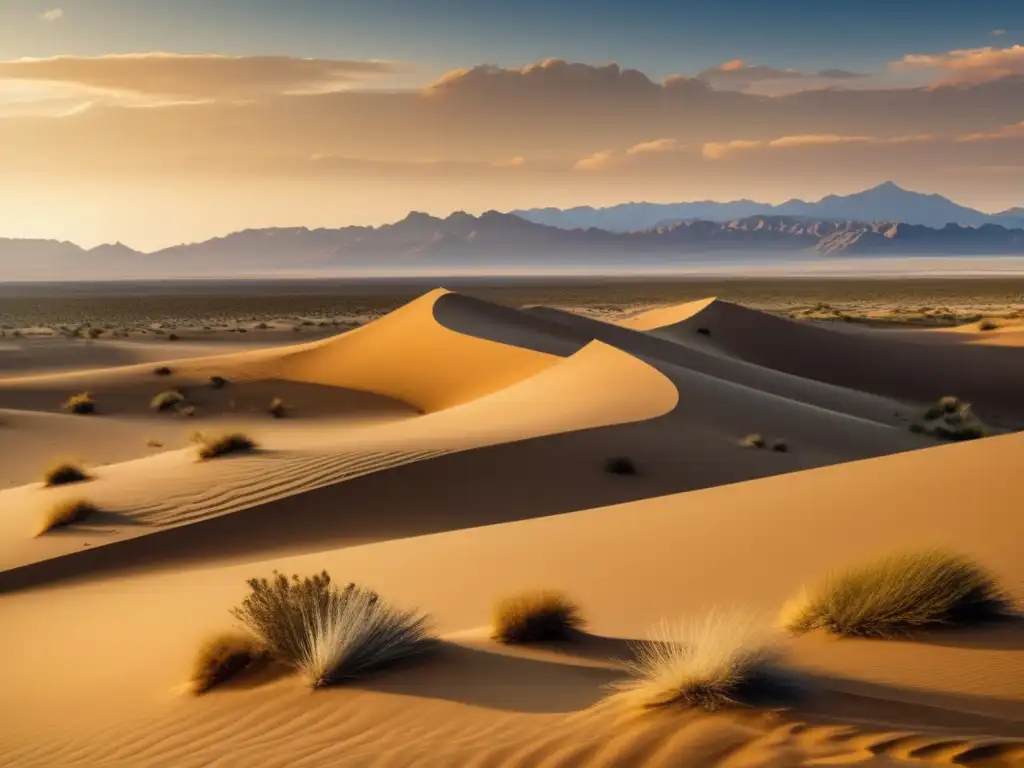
[
  {"x": 658, "y": 146},
  {"x": 596, "y": 162},
  {"x": 715, "y": 150},
  {"x": 187, "y": 76},
  {"x": 738, "y": 75},
  {"x": 54, "y": 14},
  {"x": 1013, "y": 131},
  {"x": 998, "y": 32},
  {"x": 969, "y": 65}
]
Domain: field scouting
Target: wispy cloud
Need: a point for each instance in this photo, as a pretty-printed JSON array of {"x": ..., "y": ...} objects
[
  {"x": 54, "y": 14},
  {"x": 740, "y": 75},
  {"x": 969, "y": 64}
]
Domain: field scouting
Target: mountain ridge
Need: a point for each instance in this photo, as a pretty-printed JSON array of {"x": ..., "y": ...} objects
[{"x": 886, "y": 201}]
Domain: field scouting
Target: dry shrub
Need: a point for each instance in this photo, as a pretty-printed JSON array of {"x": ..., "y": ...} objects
[
  {"x": 170, "y": 400},
  {"x": 65, "y": 473},
  {"x": 704, "y": 331},
  {"x": 536, "y": 616},
  {"x": 987, "y": 325},
  {"x": 223, "y": 445},
  {"x": 753, "y": 441},
  {"x": 897, "y": 594},
  {"x": 722, "y": 659},
  {"x": 66, "y": 513},
  {"x": 950, "y": 418},
  {"x": 163, "y": 370},
  {"x": 218, "y": 382},
  {"x": 81, "y": 404},
  {"x": 779, "y": 446},
  {"x": 330, "y": 634},
  {"x": 278, "y": 409},
  {"x": 222, "y": 657},
  {"x": 620, "y": 465}
]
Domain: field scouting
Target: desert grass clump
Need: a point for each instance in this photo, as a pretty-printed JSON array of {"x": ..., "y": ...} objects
[
  {"x": 66, "y": 513},
  {"x": 779, "y": 445},
  {"x": 327, "y": 633},
  {"x": 950, "y": 418},
  {"x": 222, "y": 657},
  {"x": 704, "y": 331},
  {"x": 277, "y": 408},
  {"x": 170, "y": 400},
  {"x": 223, "y": 445},
  {"x": 65, "y": 473},
  {"x": 81, "y": 404},
  {"x": 987, "y": 325},
  {"x": 620, "y": 465},
  {"x": 218, "y": 382},
  {"x": 162, "y": 370},
  {"x": 719, "y": 660},
  {"x": 753, "y": 441},
  {"x": 898, "y": 594},
  {"x": 536, "y": 616}
]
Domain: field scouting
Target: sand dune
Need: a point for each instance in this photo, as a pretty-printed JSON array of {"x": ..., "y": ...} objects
[{"x": 453, "y": 452}]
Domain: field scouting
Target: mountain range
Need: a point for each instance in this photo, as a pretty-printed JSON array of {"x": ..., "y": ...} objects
[
  {"x": 886, "y": 202},
  {"x": 497, "y": 241}
]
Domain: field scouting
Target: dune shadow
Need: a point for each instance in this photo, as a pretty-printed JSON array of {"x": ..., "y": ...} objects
[
  {"x": 998, "y": 634},
  {"x": 495, "y": 680}
]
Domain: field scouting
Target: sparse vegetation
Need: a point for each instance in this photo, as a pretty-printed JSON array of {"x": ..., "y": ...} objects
[
  {"x": 163, "y": 370},
  {"x": 154, "y": 443},
  {"x": 536, "y": 616},
  {"x": 719, "y": 660},
  {"x": 218, "y": 382},
  {"x": 223, "y": 445},
  {"x": 167, "y": 401},
  {"x": 950, "y": 418},
  {"x": 278, "y": 409},
  {"x": 704, "y": 331},
  {"x": 81, "y": 404},
  {"x": 987, "y": 325},
  {"x": 172, "y": 337},
  {"x": 779, "y": 445},
  {"x": 620, "y": 465},
  {"x": 897, "y": 594},
  {"x": 326, "y": 633},
  {"x": 66, "y": 513},
  {"x": 222, "y": 657},
  {"x": 753, "y": 441},
  {"x": 65, "y": 473}
]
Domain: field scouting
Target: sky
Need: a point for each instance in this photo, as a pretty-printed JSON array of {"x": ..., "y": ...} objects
[{"x": 154, "y": 122}]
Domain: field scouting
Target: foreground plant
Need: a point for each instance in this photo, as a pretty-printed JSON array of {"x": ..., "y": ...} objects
[
  {"x": 222, "y": 657},
  {"x": 898, "y": 594},
  {"x": 66, "y": 513},
  {"x": 541, "y": 615},
  {"x": 327, "y": 633},
  {"x": 716, "y": 661},
  {"x": 223, "y": 445}
]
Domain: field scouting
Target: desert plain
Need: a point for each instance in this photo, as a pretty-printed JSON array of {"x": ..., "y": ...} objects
[{"x": 448, "y": 447}]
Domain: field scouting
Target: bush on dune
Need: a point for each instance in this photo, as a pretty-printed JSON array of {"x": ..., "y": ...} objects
[
  {"x": 753, "y": 441},
  {"x": 898, "y": 594},
  {"x": 66, "y": 513},
  {"x": 223, "y": 445},
  {"x": 163, "y": 370},
  {"x": 64, "y": 474},
  {"x": 620, "y": 465},
  {"x": 327, "y": 633},
  {"x": 218, "y": 382},
  {"x": 950, "y": 418},
  {"x": 277, "y": 408},
  {"x": 167, "y": 401},
  {"x": 536, "y": 616},
  {"x": 716, "y": 661},
  {"x": 222, "y": 657},
  {"x": 81, "y": 404}
]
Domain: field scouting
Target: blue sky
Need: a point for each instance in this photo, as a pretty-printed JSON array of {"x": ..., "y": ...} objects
[{"x": 657, "y": 36}]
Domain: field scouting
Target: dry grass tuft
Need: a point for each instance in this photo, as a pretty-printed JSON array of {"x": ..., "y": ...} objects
[
  {"x": 536, "y": 616},
  {"x": 223, "y": 445},
  {"x": 330, "y": 634},
  {"x": 66, "y": 513},
  {"x": 987, "y": 325},
  {"x": 753, "y": 441},
  {"x": 897, "y": 594},
  {"x": 717, "y": 661},
  {"x": 65, "y": 473},
  {"x": 950, "y": 418},
  {"x": 81, "y": 404},
  {"x": 163, "y": 370},
  {"x": 222, "y": 657},
  {"x": 170, "y": 400},
  {"x": 277, "y": 408},
  {"x": 779, "y": 445},
  {"x": 218, "y": 382}
]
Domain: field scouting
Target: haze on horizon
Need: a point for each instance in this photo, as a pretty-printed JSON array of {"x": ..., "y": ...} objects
[{"x": 155, "y": 123}]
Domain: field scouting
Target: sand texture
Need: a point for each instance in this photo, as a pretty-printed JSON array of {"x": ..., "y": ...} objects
[{"x": 453, "y": 452}]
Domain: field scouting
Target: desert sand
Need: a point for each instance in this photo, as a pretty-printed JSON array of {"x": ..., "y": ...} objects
[{"x": 452, "y": 452}]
